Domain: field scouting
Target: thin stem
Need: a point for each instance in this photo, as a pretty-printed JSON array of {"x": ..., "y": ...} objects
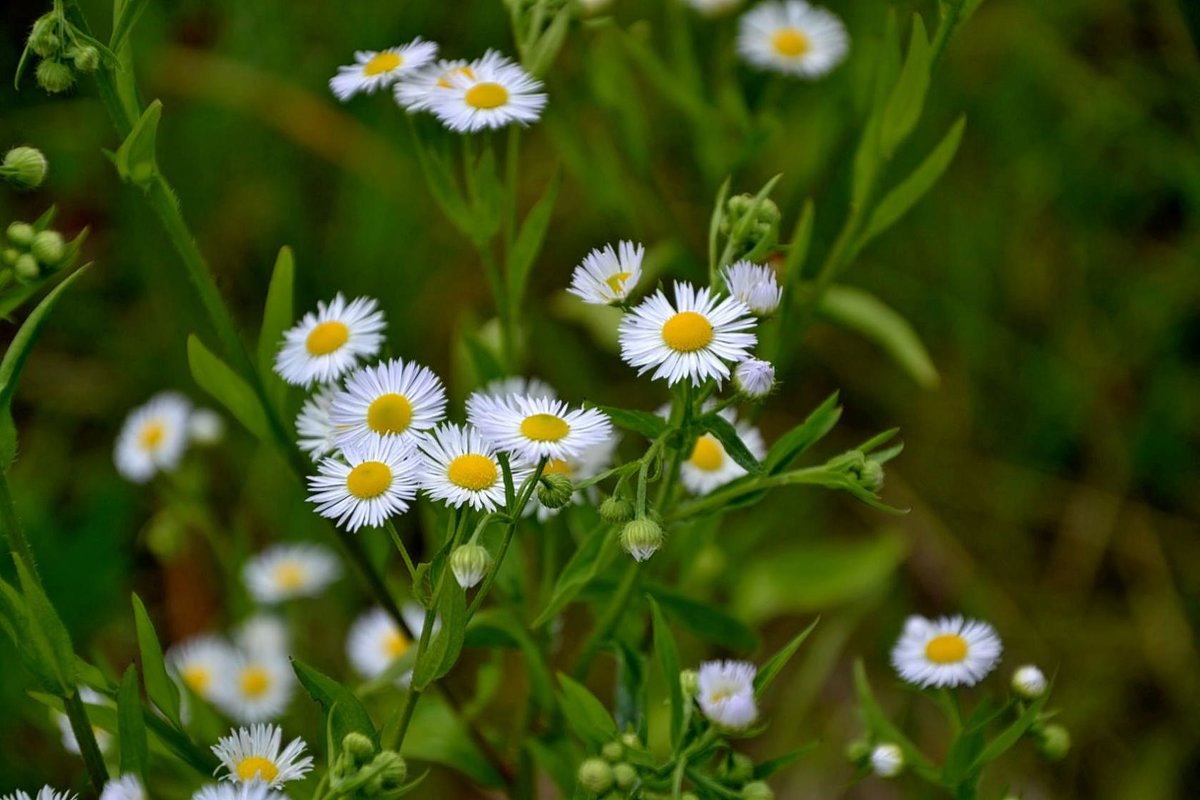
[
  {"x": 399, "y": 542},
  {"x": 81, "y": 726},
  {"x": 818, "y": 476},
  {"x": 17, "y": 542},
  {"x": 612, "y": 615}
]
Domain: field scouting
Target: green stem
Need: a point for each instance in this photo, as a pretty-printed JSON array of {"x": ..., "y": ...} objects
[
  {"x": 81, "y": 726},
  {"x": 817, "y": 476},
  {"x": 608, "y": 622},
  {"x": 399, "y": 542},
  {"x": 17, "y": 542}
]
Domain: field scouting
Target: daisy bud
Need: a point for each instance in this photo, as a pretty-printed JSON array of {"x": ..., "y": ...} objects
[
  {"x": 470, "y": 564},
  {"x": 54, "y": 76},
  {"x": 612, "y": 751},
  {"x": 595, "y": 775},
  {"x": 754, "y": 378},
  {"x": 1054, "y": 742},
  {"x": 555, "y": 490},
  {"x": 21, "y": 234},
  {"x": 757, "y": 791},
  {"x": 887, "y": 760},
  {"x": 9, "y": 256},
  {"x": 26, "y": 269},
  {"x": 755, "y": 285},
  {"x": 689, "y": 681},
  {"x": 616, "y": 510},
  {"x": 358, "y": 748},
  {"x": 742, "y": 768},
  {"x": 641, "y": 538},
  {"x": 43, "y": 39},
  {"x": 48, "y": 247},
  {"x": 1029, "y": 682},
  {"x": 24, "y": 167},
  {"x": 763, "y": 229},
  {"x": 205, "y": 426},
  {"x": 631, "y": 741},
  {"x": 390, "y": 771},
  {"x": 858, "y": 751},
  {"x": 625, "y": 775},
  {"x": 86, "y": 58}
]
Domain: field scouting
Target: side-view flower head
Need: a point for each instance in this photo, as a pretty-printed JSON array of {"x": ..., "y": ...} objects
[{"x": 374, "y": 70}]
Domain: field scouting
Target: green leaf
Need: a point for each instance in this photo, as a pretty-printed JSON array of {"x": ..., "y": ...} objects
[
  {"x": 907, "y": 100},
  {"x": 868, "y": 316},
  {"x": 905, "y": 195},
  {"x": 766, "y": 769},
  {"x": 443, "y": 649},
  {"x": 586, "y": 715},
  {"x": 485, "y": 192},
  {"x": 630, "y": 690},
  {"x": 48, "y": 627},
  {"x": 161, "y": 690},
  {"x": 278, "y": 316},
  {"x": 32, "y": 651},
  {"x": 438, "y": 736},
  {"x": 135, "y": 159},
  {"x": 882, "y": 729},
  {"x": 796, "y": 441},
  {"x": 130, "y": 11},
  {"x": 714, "y": 224},
  {"x": 705, "y": 621},
  {"x": 226, "y": 387},
  {"x": 727, "y": 435},
  {"x": 1005, "y": 740},
  {"x": 131, "y": 727},
  {"x": 643, "y": 422},
  {"x": 529, "y": 239},
  {"x": 775, "y": 664},
  {"x": 542, "y": 54},
  {"x": 559, "y": 757},
  {"x": 343, "y": 712},
  {"x": 444, "y": 188},
  {"x": 500, "y": 627},
  {"x": 668, "y": 658},
  {"x": 579, "y": 571},
  {"x": 797, "y": 254}
]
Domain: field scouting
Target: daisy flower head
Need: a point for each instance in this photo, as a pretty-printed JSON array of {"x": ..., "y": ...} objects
[
  {"x": 415, "y": 90},
  {"x": 327, "y": 343},
  {"x": 533, "y": 428},
  {"x": 947, "y": 651},
  {"x": 255, "y": 790},
  {"x": 726, "y": 693},
  {"x": 887, "y": 760},
  {"x": 45, "y": 793},
  {"x": 264, "y": 634},
  {"x": 372, "y": 70},
  {"x": 1029, "y": 682},
  {"x": 395, "y": 399},
  {"x": 375, "y": 642},
  {"x": 256, "y": 754},
  {"x": 314, "y": 427},
  {"x": 154, "y": 437},
  {"x": 608, "y": 276},
  {"x": 368, "y": 486},
  {"x": 126, "y": 787},
  {"x": 491, "y": 92},
  {"x": 754, "y": 378},
  {"x": 755, "y": 285},
  {"x": 693, "y": 339},
  {"x": 709, "y": 466},
  {"x": 460, "y": 468},
  {"x": 792, "y": 37},
  {"x": 259, "y": 688},
  {"x": 205, "y": 427},
  {"x": 203, "y": 664},
  {"x": 287, "y": 571}
]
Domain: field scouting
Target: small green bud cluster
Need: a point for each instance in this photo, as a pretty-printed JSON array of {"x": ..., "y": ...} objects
[
  {"x": 30, "y": 254},
  {"x": 759, "y": 227},
  {"x": 555, "y": 490},
  {"x": 616, "y": 510},
  {"x": 860, "y": 468},
  {"x": 24, "y": 167},
  {"x": 360, "y": 772},
  {"x": 63, "y": 51}
]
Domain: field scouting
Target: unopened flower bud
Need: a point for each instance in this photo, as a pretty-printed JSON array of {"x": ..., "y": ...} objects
[
  {"x": 625, "y": 775},
  {"x": 858, "y": 751},
  {"x": 26, "y": 269},
  {"x": 689, "y": 682},
  {"x": 1029, "y": 682},
  {"x": 612, "y": 751},
  {"x": 358, "y": 747},
  {"x": 390, "y": 771},
  {"x": 1054, "y": 742},
  {"x": 48, "y": 248},
  {"x": 43, "y": 39},
  {"x": 631, "y": 741},
  {"x": 54, "y": 76},
  {"x": 470, "y": 564},
  {"x": 86, "y": 58},
  {"x": 555, "y": 490},
  {"x": 616, "y": 510},
  {"x": 887, "y": 760},
  {"x": 24, "y": 167},
  {"x": 742, "y": 768},
  {"x": 9, "y": 256},
  {"x": 754, "y": 378},
  {"x": 205, "y": 426},
  {"x": 641, "y": 538},
  {"x": 766, "y": 217},
  {"x": 595, "y": 775},
  {"x": 757, "y": 791},
  {"x": 21, "y": 234}
]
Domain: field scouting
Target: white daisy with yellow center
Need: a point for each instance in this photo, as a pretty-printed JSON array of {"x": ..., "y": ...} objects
[
  {"x": 154, "y": 437},
  {"x": 238, "y": 791},
  {"x": 314, "y": 429},
  {"x": 126, "y": 787},
  {"x": 287, "y": 571},
  {"x": 327, "y": 343},
  {"x": 792, "y": 37},
  {"x": 532, "y": 428},
  {"x": 366, "y": 485},
  {"x": 203, "y": 664},
  {"x": 726, "y": 693},
  {"x": 256, "y": 754},
  {"x": 375, "y": 641},
  {"x": 372, "y": 70},
  {"x": 709, "y": 466},
  {"x": 392, "y": 400},
  {"x": 694, "y": 339},
  {"x": 608, "y": 276},
  {"x": 490, "y": 92},
  {"x": 947, "y": 651},
  {"x": 45, "y": 793},
  {"x": 414, "y": 91},
  {"x": 755, "y": 285},
  {"x": 259, "y": 688},
  {"x": 459, "y": 468}
]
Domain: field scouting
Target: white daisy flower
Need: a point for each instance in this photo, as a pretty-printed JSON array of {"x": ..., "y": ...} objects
[
  {"x": 710, "y": 466},
  {"x": 754, "y": 378},
  {"x": 154, "y": 437},
  {"x": 395, "y": 399},
  {"x": 533, "y": 428},
  {"x": 711, "y": 8},
  {"x": 259, "y": 688},
  {"x": 374, "y": 70},
  {"x": 205, "y": 426},
  {"x": 694, "y": 338},
  {"x": 287, "y": 571},
  {"x": 792, "y": 37},
  {"x": 375, "y": 641},
  {"x": 755, "y": 285},
  {"x": 257, "y": 790},
  {"x": 947, "y": 651},
  {"x": 371, "y": 485},
  {"x": 327, "y": 343},
  {"x": 253, "y": 754},
  {"x": 45, "y": 793},
  {"x": 503, "y": 388},
  {"x": 314, "y": 427},
  {"x": 203, "y": 664},
  {"x": 264, "y": 634},
  {"x": 126, "y": 787},
  {"x": 458, "y": 467},
  {"x": 1029, "y": 682},
  {"x": 493, "y": 93},
  {"x": 887, "y": 760},
  {"x": 415, "y": 90},
  {"x": 608, "y": 276},
  {"x": 726, "y": 693}
]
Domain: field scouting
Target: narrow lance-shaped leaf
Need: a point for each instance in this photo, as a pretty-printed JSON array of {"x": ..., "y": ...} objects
[
  {"x": 227, "y": 387},
  {"x": 668, "y": 658},
  {"x": 796, "y": 441},
  {"x": 53, "y": 642},
  {"x": 530, "y": 238},
  {"x": 727, "y": 435},
  {"x": 583, "y": 565},
  {"x": 868, "y": 316},
  {"x": 344, "y": 712},
  {"x": 768, "y": 671},
  {"x": 129, "y": 12},
  {"x": 443, "y": 649},
  {"x": 135, "y": 159},
  {"x": 907, "y": 100},
  {"x": 161, "y": 689},
  {"x": 585, "y": 714},
  {"x": 278, "y": 316},
  {"x": 131, "y": 727},
  {"x": 883, "y": 729}
]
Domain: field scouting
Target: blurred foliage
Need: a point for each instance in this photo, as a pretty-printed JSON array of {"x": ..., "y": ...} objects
[{"x": 1054, "y": 475}]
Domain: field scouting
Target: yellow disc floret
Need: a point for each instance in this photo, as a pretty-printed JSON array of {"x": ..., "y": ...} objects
[
  {"x": 369, "y": 479},
  {"x": 197, "y": 678},
  {"x": 255, "y": 681},
  {"x": 389, "y": 413},
  {"x": 687, "y": 332},
  {"x": 544, "y": 428},
  {"x": 617, "y": 282},
  {"x": 486, "y": 95},
  {"x": 152, "y": 435},
  {"x": 708, "y": 454},
  {"x": 327, "y": 337},
  {"x": 253, "y": 767},
  {"x": 472, "y": 471},
  {"x": 949, "y": 648},
  {"x": 381, "y": 63},
  {"x": 290, "y": 575},
  {"x": 395, "y": 645},
  {"x": 790, "y": 42}
]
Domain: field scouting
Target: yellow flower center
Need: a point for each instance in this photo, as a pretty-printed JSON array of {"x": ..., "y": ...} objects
[
  {"x": 381, "y": 63},
  {"x": 617, "y": 282},
  {"x": 290, "y": 575},
  {"x": 369, "y": 479},
  {"x": 152, "y": 435},
  {"x": 327, "y": 337},
  {"x": 556, "y": 466},
  {"x": 687, "y": 332},
  {"x": 389, "y": 413},
  {"x": 708, "y": 454},
  {"x": 486, "y": 95},
  {"x": 257, "y": 767},
  {"x": 197, "y": 678},
  {"x": 544, "y": 428},
  {"x": 949, "y": 648},
  {"x": 255, "y": 681},
  {"x": 395, "y": 645},
  {"x": 444, "y": 81},
  {"x": 472, "y": 471},
  {"x": 790, "y": 42},
  {"x": 719, "y": 695}
]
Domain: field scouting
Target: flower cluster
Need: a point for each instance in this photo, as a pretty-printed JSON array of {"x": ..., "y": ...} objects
[{"x": 157, "y": 434}]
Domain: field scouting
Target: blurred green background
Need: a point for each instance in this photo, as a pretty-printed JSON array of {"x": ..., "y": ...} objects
[{"x": 1053, "y": 476}]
